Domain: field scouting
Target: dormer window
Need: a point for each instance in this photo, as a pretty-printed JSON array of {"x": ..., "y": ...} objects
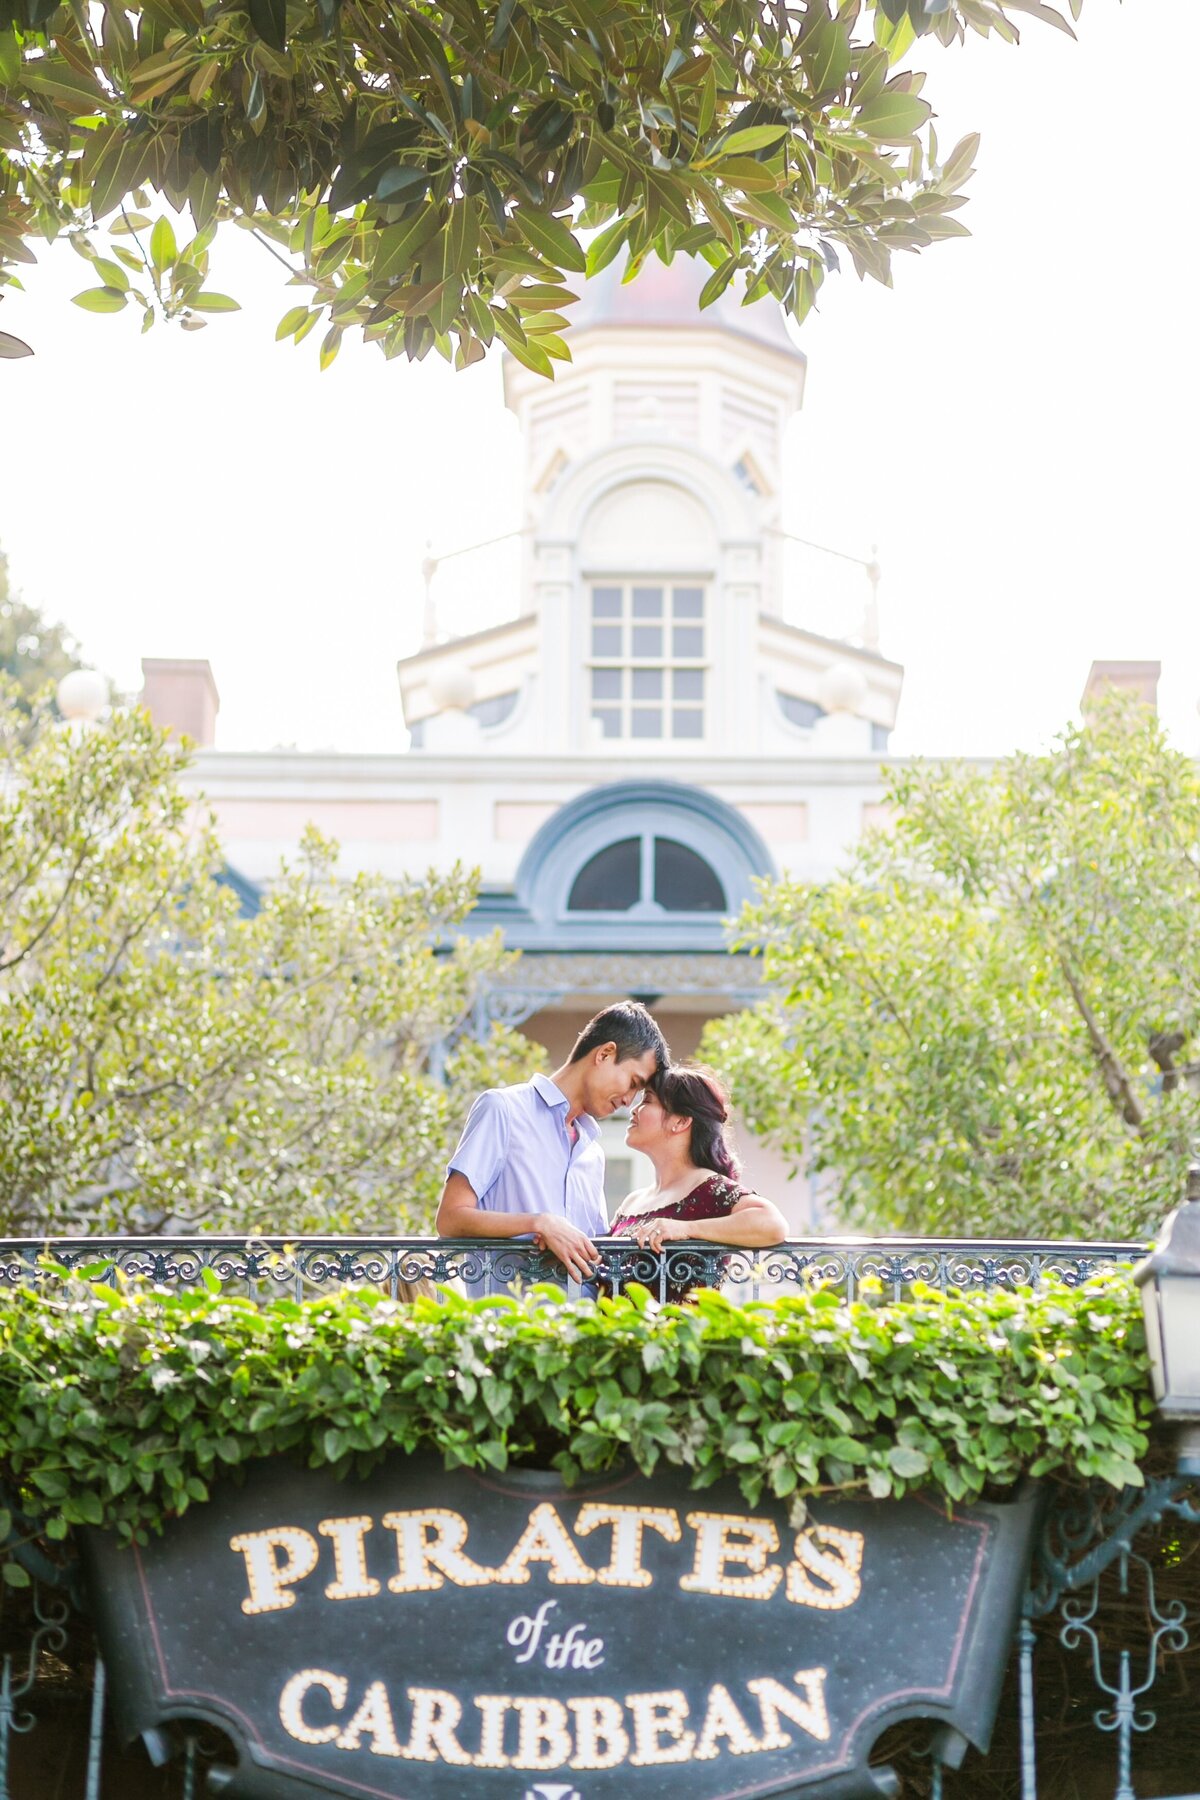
[{"x": 647, "y": 664}]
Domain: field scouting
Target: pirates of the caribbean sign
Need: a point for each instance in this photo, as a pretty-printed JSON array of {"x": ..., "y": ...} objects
[{"x": 431, "y": 1636}]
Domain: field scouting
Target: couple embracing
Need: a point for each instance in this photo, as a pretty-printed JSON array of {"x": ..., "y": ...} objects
[{"x": 529, "y": 1162}]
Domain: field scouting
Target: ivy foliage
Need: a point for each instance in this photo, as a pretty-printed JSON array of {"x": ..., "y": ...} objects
[
  {"x": 120, "y": 1407},
  {"x": 424, "y": 169}
]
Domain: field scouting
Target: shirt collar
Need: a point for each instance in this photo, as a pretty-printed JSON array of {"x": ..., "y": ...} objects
[
  {"x": 550, "y": 1091},
  {"x": 554, "y": 1097}
]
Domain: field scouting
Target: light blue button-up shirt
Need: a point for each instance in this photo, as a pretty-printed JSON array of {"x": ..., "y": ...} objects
[{"x": 518, "y": 1157}]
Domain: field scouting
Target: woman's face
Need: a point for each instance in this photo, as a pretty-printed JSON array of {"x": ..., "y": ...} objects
[{"x": 649, "y": 1124}]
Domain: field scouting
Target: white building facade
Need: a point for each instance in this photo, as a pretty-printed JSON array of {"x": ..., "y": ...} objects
[{"x": 647, "y": 730}]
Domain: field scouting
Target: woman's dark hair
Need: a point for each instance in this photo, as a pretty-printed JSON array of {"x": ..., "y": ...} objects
[{"x": 691, "y": 1092}]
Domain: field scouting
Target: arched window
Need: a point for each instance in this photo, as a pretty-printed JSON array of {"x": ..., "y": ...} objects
[
  {"x": 652, "y": 874},
  {"x": 611, "y": 881},
  {"x": 635, "y": 865},
  {"x": 683, "y": 881}
]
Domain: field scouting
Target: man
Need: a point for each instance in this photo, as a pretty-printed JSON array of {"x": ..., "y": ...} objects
[{"x": 529, "y": 1162}]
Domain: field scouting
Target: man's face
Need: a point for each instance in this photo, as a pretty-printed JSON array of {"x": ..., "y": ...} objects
[{"x": 611, "y": 1084}]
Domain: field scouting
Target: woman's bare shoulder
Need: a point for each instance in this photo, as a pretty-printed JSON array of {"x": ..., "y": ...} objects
[{"x": 640, "y": 1200}]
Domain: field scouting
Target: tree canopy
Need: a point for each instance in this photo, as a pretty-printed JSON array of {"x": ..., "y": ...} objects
[
  {"x": 990, "y": 1024},
  {"x": 33, "y": 650},
  {"x": 166, "y": 1061},
  {"x": 426, "y": 170}
]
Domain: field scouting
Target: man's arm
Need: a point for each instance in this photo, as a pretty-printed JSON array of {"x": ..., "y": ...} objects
[{"x": 459, "y": 1214}]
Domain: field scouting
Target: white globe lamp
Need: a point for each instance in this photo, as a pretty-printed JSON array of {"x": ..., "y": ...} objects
[
  {"x": 842, "y": 689},
  {"x": 82, "y": 695},
  {"x": 452, "y": 687}
]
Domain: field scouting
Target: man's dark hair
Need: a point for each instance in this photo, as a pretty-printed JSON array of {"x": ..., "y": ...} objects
[{"x": 630, "y": 1027}]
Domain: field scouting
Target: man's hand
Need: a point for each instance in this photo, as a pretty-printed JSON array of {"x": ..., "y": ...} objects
[{"x": 573, "y": 1248}]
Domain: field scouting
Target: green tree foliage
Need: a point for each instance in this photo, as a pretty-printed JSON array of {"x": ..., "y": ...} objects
[
  {"x": 152, "y": 1395},
  {"x": 424, "y": 169},
  {"x": 166, "y": 1062},
  {"x": 32, "y": 650},
  {"x": 991, "y": 1022}
]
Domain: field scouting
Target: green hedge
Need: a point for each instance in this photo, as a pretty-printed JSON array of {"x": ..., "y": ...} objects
[{"x": 119, "y": 1407}]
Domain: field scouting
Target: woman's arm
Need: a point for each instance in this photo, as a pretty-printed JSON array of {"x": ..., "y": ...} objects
[{"x": 752, "y": 1223}]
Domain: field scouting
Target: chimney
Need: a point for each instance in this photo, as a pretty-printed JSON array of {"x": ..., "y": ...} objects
[
  {"x": 1137, "y": 678},
  {"x": 180, "y": 694}
]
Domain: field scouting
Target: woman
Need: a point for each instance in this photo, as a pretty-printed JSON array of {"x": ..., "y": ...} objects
[{"x": 679, "y": 1124}]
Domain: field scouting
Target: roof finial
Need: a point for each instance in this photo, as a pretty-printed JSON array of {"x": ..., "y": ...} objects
[{"x": 870, "y": 632}]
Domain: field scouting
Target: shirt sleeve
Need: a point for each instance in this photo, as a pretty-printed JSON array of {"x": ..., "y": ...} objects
[{"x": 483, "y": 1146}]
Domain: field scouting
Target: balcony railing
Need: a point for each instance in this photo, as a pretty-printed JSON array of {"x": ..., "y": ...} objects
[{"x": 264, "y": 1266}]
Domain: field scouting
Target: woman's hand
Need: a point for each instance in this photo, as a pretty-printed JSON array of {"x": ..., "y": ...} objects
[{"x": 657, "y": 1232}]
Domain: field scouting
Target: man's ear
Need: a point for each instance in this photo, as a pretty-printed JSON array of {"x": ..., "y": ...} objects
[{"x": 605, "y": 1053}]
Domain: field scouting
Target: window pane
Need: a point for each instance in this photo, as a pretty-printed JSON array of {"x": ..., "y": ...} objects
[
  {"x": 647, "y": 722},
  {"x": 688, "y": 684},
  {"x": 606, "y": 640},
  {"x": 648, "y": 640},
  {"x": 611, "y": 881},
  {"x": 798, "y": 711},
  {"x": 687, "y": 640},
  {"x": 610, "y": 719},
  {"x": 647, "y": 602},
  {"x": 606, "y": 603},
  {"x": 683, "y": 881},
  {"x": 647, "y": 684},
  {"x": 689, "y": 603},
  {"x": 606, "y": 684},
  {"x": 687, "y": 721}
]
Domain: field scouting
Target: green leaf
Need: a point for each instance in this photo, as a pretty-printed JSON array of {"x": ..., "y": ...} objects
[
  {"x": 960, "y": 160},
  {"x": 269, "y": 18},
  {"x": 163, "y": 249},
  {"x": 892, "y": 117},
  {"x": 825, "y": 54},
  {"x": 101, "y": 299},
  {"x": 206, "y": 301},
  {"x": 60, "y": 81},
  {"x": 15, "y": 1576},
  {"x": 290, "y": 322},
  {"x": 401, "y": 181},
  {"x": 606, "y": 245},
  {"x": 551, "y": 238},
  {"x": 10, "y": 58},
  {"x": 398, "y": 245},
  {"x": 113, "y": 274},
  {"x": 716, "y": 284},
  {"x": 750, "y": 139},
  {"x": 908, "y": 1461}
]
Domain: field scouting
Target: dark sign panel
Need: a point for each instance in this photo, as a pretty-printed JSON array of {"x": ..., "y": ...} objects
[{"x": 422, "y": 1634}]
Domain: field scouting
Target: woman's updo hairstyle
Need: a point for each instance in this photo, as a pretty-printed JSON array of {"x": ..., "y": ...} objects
[{"x": 694, "y": 1093}]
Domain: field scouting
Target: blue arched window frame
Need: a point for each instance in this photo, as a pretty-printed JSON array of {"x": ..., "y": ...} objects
[{"x": 538, "y": 916}]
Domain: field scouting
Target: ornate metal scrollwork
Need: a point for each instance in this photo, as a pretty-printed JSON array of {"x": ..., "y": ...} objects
[
  {"x": 1082, "y": 1539},
  {"x": 50, "y": 1633},
  {"x": 277, "y": 1264}
]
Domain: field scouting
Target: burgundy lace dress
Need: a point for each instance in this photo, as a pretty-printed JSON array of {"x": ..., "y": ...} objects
[{"x": 714, "y": 1198}]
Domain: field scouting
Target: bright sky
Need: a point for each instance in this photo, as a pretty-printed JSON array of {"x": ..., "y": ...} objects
[{"x": 1013, "y": 424}]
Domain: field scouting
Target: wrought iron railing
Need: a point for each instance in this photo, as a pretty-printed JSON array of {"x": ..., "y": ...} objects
[{"x": 274, "y": 1265}]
